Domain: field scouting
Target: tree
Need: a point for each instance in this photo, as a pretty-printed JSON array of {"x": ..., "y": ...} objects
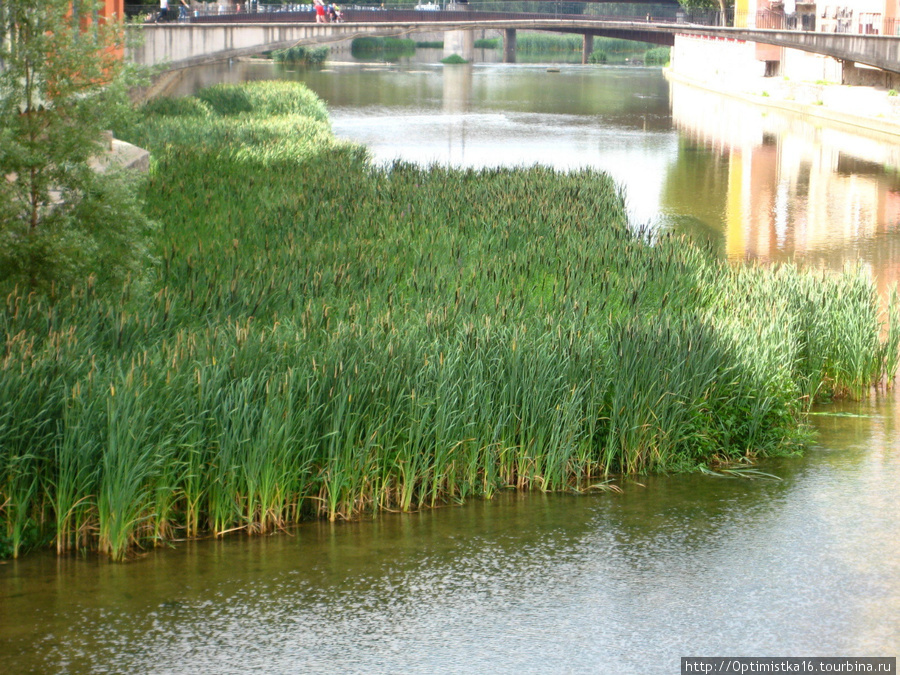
[
  {"x": 62, "y": 82},
  {"x": 721, "y": 5}
]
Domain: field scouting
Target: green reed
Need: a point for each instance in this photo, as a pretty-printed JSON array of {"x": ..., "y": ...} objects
[
  {"x": 382, "y": 46},
  {"x": 301, "y": 54},
  {"x": 325, "y": 339},
  {"x": 657, "y": 56},
  {"x": 548, "y": 43}
]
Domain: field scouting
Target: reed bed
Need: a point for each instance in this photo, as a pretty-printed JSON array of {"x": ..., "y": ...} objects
[
  {"x": 548, "y": 43},
  {"x": 367, "y": 47},
  {"x": 327, "y": 339},
  {"x": 301, "y": 54},
  {"x": 657, "y": 56}
]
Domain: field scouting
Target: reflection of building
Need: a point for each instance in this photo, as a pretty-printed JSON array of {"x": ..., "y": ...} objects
[
  {"x": 793, "y": 190},
  {"x": 705, "y": 57}
]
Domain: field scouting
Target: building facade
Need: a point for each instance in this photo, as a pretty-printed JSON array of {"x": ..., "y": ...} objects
[{"x": 726, "y": 60}]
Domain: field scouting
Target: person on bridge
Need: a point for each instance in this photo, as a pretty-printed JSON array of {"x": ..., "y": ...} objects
[
  {"x": 163, "y": 11},
  {"x": 183, "y": 10},
  {"x": 320, "y": 11}
]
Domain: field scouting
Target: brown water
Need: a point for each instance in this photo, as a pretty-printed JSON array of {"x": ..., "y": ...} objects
[
  {"x": 685, "y": 565},
  {"x": 675, "y": 566}
]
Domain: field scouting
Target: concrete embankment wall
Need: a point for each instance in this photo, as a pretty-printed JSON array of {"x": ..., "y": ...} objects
[
  {"x": 712, "y": 58},
  {"x": 811, "y": 84},
  {"x": 715, "y": 59}
]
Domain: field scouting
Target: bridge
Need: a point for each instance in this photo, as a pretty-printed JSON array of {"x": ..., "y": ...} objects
[{"x": 207, "y": 39}]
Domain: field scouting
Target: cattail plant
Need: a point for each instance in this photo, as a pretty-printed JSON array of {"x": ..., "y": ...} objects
[{"x": 326, "y": 339}]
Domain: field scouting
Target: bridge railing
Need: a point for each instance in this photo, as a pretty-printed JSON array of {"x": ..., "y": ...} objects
[
  {"x": 351, "y": 13},
  {"x": 827, "y": 20},
  {"x": 375, "y": 11}
]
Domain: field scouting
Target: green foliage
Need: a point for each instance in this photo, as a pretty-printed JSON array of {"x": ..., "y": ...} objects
[
  {"x": 301, "y": 54},
  {"x": 628, "y": 9},
  {"x": 549, "y": 43},
  {"x": 62, "y": 84},
  {"x": 453, "y": 59},
  {"x": 657, "y": 56},
  {"x": 534, "y": 43},
  {"x": 183, "y": 106},
  {"x": 598, "y": 57},
  {"x": 264, "y": 98},
  {"x": 705, "y": 4},
  {"x": 433, "y": 44},
  {"x": 388, "y": 47},
  {"x": 488, "y": 43},
  {"x": 326, "y": 339}
]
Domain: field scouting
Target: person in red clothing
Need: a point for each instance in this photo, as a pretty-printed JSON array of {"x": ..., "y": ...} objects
[{"x": 320, "y": 11}]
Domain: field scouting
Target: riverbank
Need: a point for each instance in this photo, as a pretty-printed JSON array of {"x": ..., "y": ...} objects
[{"x": 872, "y": 109}]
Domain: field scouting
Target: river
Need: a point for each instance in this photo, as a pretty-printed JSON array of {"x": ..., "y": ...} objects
[{"x": 805, "y": 565}]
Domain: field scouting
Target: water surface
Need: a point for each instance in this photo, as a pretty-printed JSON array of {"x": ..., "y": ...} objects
[{"x": 673, "y": 566}]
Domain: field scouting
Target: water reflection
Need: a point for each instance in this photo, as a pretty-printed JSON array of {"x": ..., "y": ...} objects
[
  {"x": 537, "y": 583},
  {"x": 777, "y": 186},
  {"x": 457, "y": 81}
]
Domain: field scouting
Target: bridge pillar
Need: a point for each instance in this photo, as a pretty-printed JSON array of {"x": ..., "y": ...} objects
[
  {"x": 460, "y": 42},
  {"x": 587, "y": 48},
  {"x": 509, "y": 45}
]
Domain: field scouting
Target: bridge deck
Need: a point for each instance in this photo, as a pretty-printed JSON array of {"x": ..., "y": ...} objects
[{"x": 212, "y": 38}]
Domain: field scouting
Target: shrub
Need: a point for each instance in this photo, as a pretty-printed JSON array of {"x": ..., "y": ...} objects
[
  {"x": 300, "y": 54},
  {"x": 657, "y": 56},
  {"x": 375, "y": 46},
  {"x": 62, "y": 219},
  {"x": 264, "y": 98},
  {"x": 182, "y": 106}
]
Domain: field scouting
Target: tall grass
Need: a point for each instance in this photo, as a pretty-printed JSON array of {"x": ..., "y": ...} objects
[
  {"x": 301, "y": 54},
  {"x": 383, "y": 47},
  {"x": 657, "y": 56},
  {"x": 325, "y": 339},
  {"x": 548, "y": 43}
]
